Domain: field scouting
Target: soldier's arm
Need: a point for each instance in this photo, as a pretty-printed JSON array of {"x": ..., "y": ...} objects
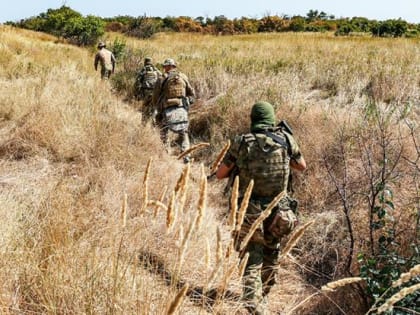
[
  {"x": 229, "y": 161},
  {"x": 96, "y": 61},
  {"x": 224, "y": 171},
  {"x": 113, "y": 62},
  {"x": 156, "y": 94},
  {"x": 188, "y": 89},
  {"x": 297, "y": 162}
]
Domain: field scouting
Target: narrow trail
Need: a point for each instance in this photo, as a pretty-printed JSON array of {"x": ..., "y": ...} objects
[{"x": 199, "y": 295}]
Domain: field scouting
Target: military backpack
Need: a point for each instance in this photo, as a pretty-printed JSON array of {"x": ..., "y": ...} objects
[
  {"x": 149, "y": 77},
  {"x": 174, "y": 86}
]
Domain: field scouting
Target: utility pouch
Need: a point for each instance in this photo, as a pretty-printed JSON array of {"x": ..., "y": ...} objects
[
  {"x": 173, "y": 102},
  {"x": 186, "y": 103},
  {"x": 283, "y": 223},
  {"x": 285, "y": 219}
]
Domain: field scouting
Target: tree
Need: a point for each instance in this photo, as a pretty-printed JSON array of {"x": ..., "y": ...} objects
[
  {"x": 297, "y": 24},
  {"x": 84, "y": 31},
  {"x": 272, "y": 24},
  {"x": 187, "y": 24},
  {"x": 144, "y": 27},
  {"x": 222, "y": 25},
  {"x": 56, "y": 20},
  {"x": 391, "y": 28},
  {"x": 245, "y": 25}
]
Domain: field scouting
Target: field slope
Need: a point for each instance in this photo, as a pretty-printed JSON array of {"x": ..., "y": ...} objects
[{"x": 97, "y": 218}]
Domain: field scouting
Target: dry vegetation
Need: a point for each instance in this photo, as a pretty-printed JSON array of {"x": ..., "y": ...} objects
[{"x": 91, "y": 225}]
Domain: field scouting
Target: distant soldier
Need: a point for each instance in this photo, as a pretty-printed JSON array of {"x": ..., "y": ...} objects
[
  {"x": 265, "y": 155},
  {"x": 106, "y": 59},
  {"x": 146, "y": 80},
  {"x": 172, "y": 96}
]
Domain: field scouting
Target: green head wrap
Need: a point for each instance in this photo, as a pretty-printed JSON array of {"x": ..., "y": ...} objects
[{"x": 262, "y": 116}]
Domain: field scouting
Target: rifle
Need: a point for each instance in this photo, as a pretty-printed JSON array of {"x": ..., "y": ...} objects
[
  {"x": 285, "y": 126},
  {"x": 233, "y": 173}
]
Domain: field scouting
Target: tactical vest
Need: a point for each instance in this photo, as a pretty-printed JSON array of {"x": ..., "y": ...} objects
[
  {"x": 266, "y": 162},
  {"x": 174, "y": 86},
  {"x": 150, "y": 77}
]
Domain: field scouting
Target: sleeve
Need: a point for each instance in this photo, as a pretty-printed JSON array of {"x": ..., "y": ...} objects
[
  {"x": 295, "y": 152},
  {"x": 233, "y": 152},
  {"x": 140, "y": 75},
  {"x": 96, "y": 61},
  {"x": 189, "y": 89},
  {"x": 156, "y": 93}
]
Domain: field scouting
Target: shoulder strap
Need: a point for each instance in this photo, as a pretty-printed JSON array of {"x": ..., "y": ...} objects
[{"x": 283, "y": 142}]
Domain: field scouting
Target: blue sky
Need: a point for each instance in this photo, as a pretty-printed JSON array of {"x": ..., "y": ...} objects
[{"x": 409, "y": 10}]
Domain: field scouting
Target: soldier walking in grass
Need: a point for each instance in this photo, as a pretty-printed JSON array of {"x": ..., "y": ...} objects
[
  {"x": 146, "y": 80},
  {"x": 106, "y": 59},
  {"x": 172, "y": 97},
  {"x": 264, "y": 155}
]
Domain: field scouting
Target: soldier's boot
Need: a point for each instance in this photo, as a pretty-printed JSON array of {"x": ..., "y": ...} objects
[
  {"x": 164, "y": 136},
  {"x": 252, "y": 294},
  {"x": 270, "y": 267},
  {"x": 258, "y": 309},
  {"x": 185, "y": 145}
]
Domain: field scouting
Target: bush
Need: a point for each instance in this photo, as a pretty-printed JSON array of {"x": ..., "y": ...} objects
[
  {"x": 67, "y": 23},
  {"x": 84, "y": 31},
  {"x": 144, "y": 27}
]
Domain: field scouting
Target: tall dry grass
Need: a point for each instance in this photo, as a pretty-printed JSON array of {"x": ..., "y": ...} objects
[{"x": 83, "y": 216}]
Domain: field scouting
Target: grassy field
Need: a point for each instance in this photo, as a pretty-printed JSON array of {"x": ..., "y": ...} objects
[{"x": 97, "y": 218}]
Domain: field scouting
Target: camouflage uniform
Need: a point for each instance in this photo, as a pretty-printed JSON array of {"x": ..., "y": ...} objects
[
  {"x": 106, "y": 59},
  {"x": 146, "y": 80},
  {"x": 257, "y": 156},
  {"x": 172, "y": 114}
]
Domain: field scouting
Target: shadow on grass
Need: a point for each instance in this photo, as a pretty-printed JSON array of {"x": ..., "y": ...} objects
[{"x": 197, "y": 294}]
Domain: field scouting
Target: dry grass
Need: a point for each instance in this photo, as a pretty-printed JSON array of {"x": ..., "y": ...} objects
[
  {"x": 332, "y": 286},
  {"x": 388, "y": 305},
  {"x": 407, "y": 276},
  {"x": 72, "y": 156}
]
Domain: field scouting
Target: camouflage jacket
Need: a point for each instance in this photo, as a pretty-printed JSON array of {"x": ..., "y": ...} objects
[
  {"x": 142, "y": 75},
  {"x": 259, "y": 157},
  {"x": 160, "y": 97},
  {"x": 105, "y": 58}
]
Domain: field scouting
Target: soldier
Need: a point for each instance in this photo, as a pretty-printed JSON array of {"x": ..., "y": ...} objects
[
  {"x": 264, "y": 155},
  {"x": 106, "y": 59},
  {"x": 172, "y": 96},
  {"x": 146, "y": 80}
]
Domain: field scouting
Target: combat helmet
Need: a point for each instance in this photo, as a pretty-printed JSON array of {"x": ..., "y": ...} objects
[
  {"x": 147, "y": 61},
  {"x": 169, "y": 62}
]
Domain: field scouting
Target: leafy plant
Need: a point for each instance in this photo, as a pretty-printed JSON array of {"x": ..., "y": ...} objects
[{"x": 386, "y": 266}]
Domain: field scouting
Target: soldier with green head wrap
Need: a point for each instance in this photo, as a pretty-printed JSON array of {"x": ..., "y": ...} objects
[{"x": 264, "y": 155}]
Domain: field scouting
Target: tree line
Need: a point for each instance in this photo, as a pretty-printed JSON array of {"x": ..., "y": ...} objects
[{"x": 85, "y": 30}]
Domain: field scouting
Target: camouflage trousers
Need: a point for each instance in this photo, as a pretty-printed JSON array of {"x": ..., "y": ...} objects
[
  {"x": 146, "y": 107},
  {"x": 182, "y": 137},
  {"x": 260, "y": 276},
  {"x": 105, "y": 73},
  {"x": 261, "y": 269},
  {"x": 175, "y": 123}
]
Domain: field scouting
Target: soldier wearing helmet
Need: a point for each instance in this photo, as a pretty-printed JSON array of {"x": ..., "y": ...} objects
[
  {"x": 146, "y": 79},
  {"x": 172, "y": 96},
  {"x": 264, "y": 155},
  {"x": 106, "y": 59}
]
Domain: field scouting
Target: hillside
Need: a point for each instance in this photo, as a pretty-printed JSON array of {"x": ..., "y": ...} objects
[{"x": 77, "y": 163}]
